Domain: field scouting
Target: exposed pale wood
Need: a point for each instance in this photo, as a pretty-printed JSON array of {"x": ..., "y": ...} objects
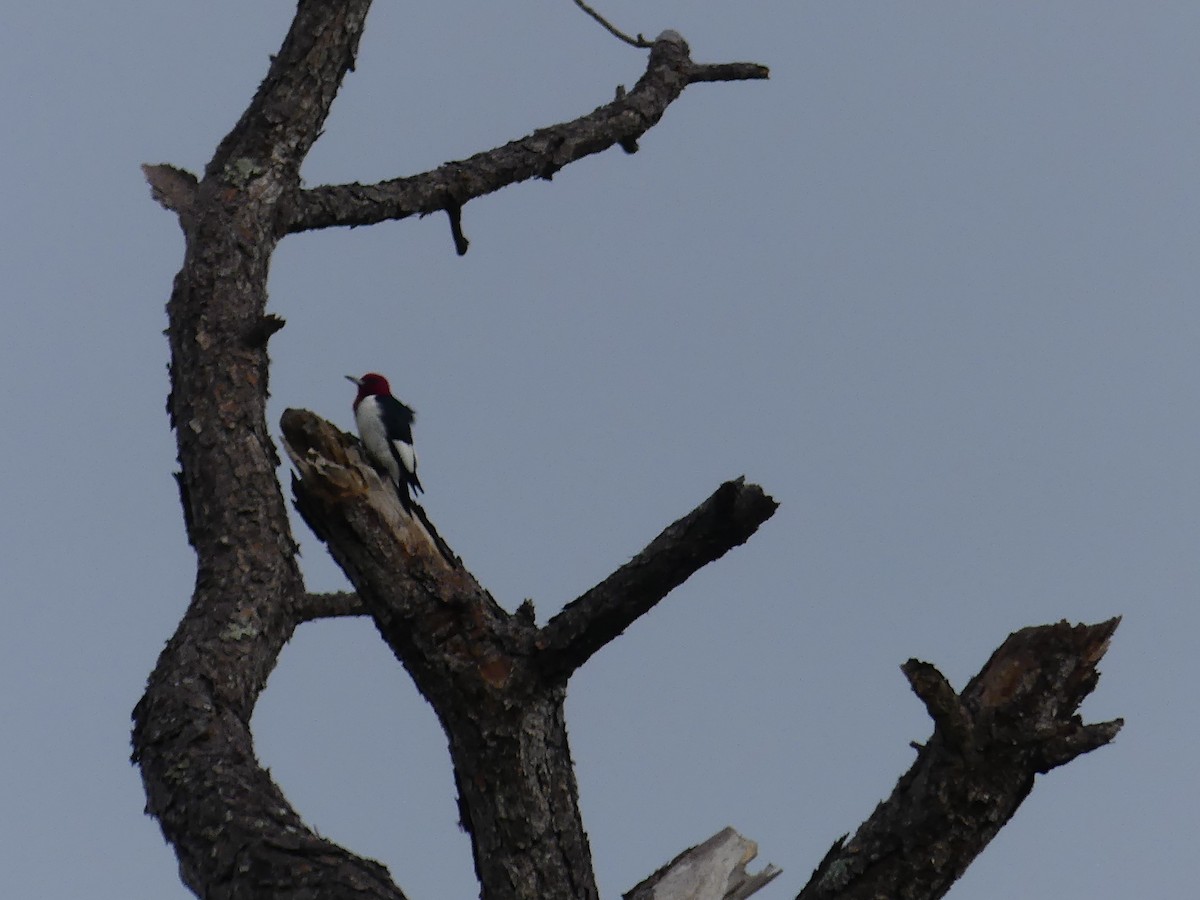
[
  {"x": 497, "y": 683},
  {"x": 234, "y": 833},
  {"x": 714, "y": 870},
  {"x": 333, "y": 463},
  {"x": 488, "y": 674}
]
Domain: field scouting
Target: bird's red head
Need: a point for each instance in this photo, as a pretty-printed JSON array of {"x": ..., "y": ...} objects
[{"x": 370, "y": 385}]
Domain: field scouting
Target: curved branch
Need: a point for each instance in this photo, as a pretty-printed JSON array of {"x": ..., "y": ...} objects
[
  {"x": 726, "y": 519},
  {"x": 1016, "y": 719},
  {"x": 233, "y": 831},
  {"x": 231, "y": 828},
  {"x": 638, "y": 41},
  {"x": 538, "y": 155}
]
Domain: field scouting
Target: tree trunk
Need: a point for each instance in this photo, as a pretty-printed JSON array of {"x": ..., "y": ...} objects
[
  {"x": 517, "y": 789},
  {"x": 496, "y": 680}
]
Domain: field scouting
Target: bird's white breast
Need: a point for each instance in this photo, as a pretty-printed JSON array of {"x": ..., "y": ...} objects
[{"x": 374, "y": 437}]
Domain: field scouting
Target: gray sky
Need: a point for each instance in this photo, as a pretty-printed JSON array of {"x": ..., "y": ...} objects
[{"x": 933, "y": 286}]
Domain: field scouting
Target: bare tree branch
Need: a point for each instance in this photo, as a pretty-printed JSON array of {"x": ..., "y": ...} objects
[
  {"x": 230, "y": 826},
  {"x": 737, "y": 71},
  {"x": 276, "y": 131},
  {"x": 339, "y": 604},
  {"x": 234, "y": 833},
  {"x": 639, "y": 41},
  {"x": 481, "y": 668},
  {"x": 497, "y": 683},
  {"x": 470, "y": 659},
  {"x": 1016, "y": 719},
  {"x": 726, "y": 519},
  {"x": 538, "y": 155},
  {"x": 948, "y": 714}
]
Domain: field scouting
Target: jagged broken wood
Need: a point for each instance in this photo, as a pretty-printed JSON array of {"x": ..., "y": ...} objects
[
  {"x": 233, "y": 832},
  {"x": 333, "y": 463},
  {"x": 496, "y": 681},
  {"x": 1015, "y": 720},
  {"x": 714, "y": 870}
]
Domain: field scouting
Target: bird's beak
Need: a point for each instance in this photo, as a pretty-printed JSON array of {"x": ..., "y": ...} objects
[{"x": 355, "y": 380}]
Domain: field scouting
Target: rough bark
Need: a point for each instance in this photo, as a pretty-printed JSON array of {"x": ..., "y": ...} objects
[
  {"x": 494, "y": 679},
  {"x": 1015, "y": 720},
  {"x": 726, "y": 519},
  {"x": 538, "y": 155},
  {"x": 233, "y": 831}
]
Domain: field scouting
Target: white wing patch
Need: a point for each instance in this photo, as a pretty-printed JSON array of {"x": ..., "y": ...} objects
[{"x": 408, "y": 456}]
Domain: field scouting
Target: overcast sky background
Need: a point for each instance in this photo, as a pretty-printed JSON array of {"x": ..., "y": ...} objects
[{"x": 934, "y": 286}]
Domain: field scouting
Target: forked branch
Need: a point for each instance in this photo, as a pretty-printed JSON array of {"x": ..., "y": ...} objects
[
  {"x": 498, "y": 691},
  {"x": 1016, "y": 719},
  {"x": 232, "y": 830}
]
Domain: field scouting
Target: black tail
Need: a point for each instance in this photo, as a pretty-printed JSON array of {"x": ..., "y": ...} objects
[
  {"x": 415, "y": 510},
  {"x": 406, "y": 494}
]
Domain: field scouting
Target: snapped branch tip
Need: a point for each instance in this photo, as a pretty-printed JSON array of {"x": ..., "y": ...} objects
[
  {"x": 173, "y": 188},
  {"x": 460, "y": 240}
]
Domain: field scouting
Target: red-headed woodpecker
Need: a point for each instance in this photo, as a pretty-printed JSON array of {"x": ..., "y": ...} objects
[{"x": 385, "y": 426}]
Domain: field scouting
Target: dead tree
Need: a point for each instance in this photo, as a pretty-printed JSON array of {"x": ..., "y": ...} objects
[{"x": 496, "y": 681}]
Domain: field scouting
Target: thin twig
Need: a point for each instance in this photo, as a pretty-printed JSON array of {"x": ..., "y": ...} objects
[{"x": 638, "y": 41}]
